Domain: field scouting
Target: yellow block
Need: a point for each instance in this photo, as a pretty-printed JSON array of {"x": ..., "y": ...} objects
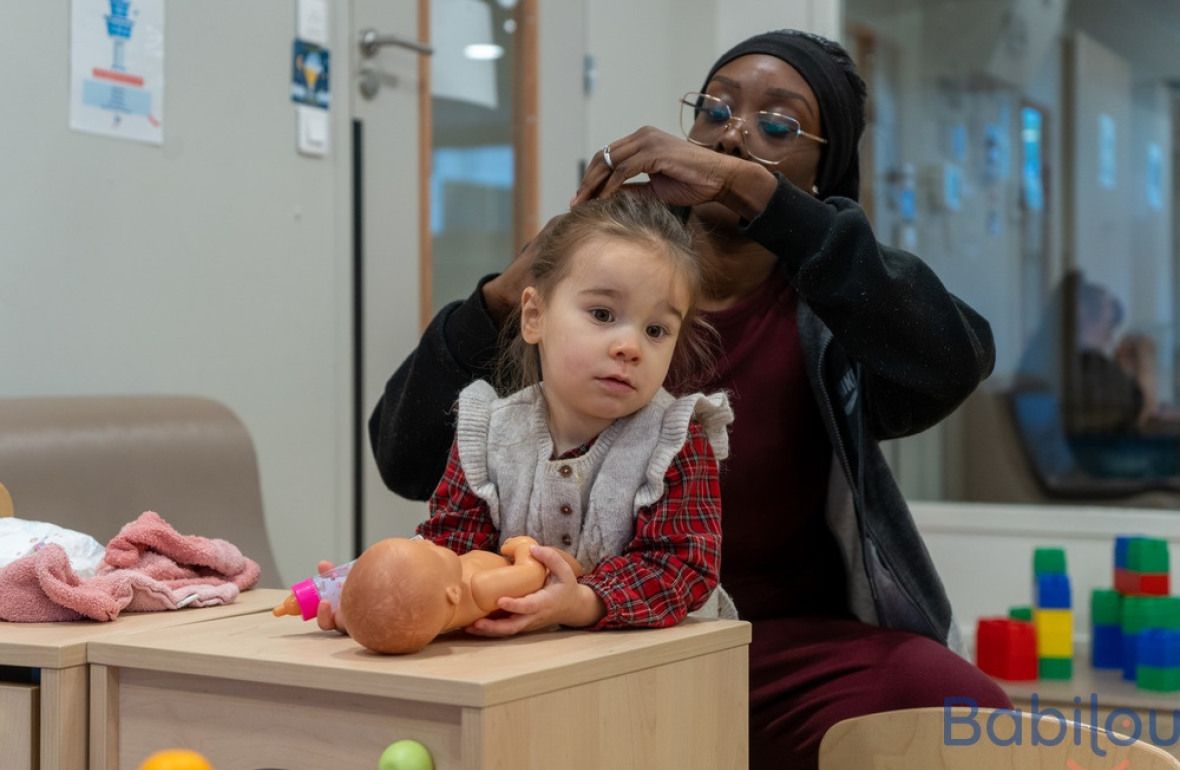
[{"x": 1054, "y": 633}]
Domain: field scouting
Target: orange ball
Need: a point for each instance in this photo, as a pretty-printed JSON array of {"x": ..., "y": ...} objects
[{"x": 176, "y": 759}]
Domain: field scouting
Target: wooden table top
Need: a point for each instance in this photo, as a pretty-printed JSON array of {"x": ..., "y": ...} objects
[
  {"x": 60, "y": 645},
  {"x": 455, "y": 669}
]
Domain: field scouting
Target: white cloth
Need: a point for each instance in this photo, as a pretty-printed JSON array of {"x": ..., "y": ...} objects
[{"x": 20, "y": 537}]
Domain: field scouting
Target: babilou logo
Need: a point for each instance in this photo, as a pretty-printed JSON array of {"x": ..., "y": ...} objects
[{"x": 963, "y": 725}]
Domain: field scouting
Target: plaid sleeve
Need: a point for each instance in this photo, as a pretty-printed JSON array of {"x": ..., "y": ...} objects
[
  {"x": 673, "y": 562},
  {"x": 459, "y": 518}
]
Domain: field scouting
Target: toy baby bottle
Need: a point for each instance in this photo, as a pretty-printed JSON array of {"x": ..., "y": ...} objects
[{"x": 306, "y": 595}]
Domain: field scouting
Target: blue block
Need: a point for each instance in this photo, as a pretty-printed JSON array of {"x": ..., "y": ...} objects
[
  {"x": 1122, "y": 545},
  {"x": 1130, "y": 655},
  {"x": 1106, "y": 647},
  {"x": 1160, "y": 648},
  {"x": 1051, "y": 592}
]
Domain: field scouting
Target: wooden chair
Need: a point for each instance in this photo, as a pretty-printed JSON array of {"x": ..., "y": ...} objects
[
  {"x": 914, "y": 738},
  {"x": 95, "y": 463}
]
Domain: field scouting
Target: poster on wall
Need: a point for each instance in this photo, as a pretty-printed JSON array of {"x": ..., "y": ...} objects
[{"x": 117, "y": 68}]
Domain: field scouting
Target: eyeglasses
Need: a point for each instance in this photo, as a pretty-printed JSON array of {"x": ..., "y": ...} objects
[{"x": 704, "y": 118}]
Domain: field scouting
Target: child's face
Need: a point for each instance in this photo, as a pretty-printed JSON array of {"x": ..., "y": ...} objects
[{"x": 607, "y": 331}]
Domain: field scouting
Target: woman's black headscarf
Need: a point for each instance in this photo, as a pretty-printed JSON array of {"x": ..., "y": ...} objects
[{"x": 840, "y": 92}]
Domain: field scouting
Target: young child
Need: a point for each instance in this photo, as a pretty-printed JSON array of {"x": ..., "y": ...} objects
[{"x": 589, "y": 454}]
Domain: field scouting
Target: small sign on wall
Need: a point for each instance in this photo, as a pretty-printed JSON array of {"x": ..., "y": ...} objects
[
  {"x": 117, "y": 68},
  {"x": 310, "y": 78}
]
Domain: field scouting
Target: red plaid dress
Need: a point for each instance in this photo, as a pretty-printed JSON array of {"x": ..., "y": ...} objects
[{"x": 667, "y": 569}]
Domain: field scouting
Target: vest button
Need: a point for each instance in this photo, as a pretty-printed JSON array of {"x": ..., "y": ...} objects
[
  {"x": 566, "y": 510},
  {"x": 566, "y": 540},
  {"x": 565, "y": 471}
]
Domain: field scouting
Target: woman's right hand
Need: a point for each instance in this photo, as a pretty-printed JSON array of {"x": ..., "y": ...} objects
[{"x": 680, "y": 173}]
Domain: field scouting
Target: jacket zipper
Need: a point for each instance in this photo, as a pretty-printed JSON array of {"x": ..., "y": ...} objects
[{"x": 842, "y": 454}]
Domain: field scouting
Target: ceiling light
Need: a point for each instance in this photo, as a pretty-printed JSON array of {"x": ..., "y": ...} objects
[{"x": 483, "y": 51}]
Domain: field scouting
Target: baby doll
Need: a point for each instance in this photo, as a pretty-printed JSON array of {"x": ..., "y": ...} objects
[{"x": 401, "y": 594}]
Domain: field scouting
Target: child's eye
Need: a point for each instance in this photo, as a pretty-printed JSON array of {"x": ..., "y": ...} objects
[
  {"x": 655, "y": 331},
  {"x": 602, "y": 315}
]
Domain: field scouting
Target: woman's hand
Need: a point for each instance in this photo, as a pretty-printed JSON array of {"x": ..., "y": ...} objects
[
  {"x": 325, "y": 618},
  {"x": 680, "y": 173},
  {"x": 562, "y": 601},
  {"x": 502, "y": 293}
]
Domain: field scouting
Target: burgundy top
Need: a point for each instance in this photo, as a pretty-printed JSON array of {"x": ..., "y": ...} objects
[{"x": 778, "y": 557}]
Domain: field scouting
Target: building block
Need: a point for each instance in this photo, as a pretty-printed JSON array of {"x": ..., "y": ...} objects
[
  {"x": 1048, "y": 561},
  {"x": 1147, "y": 554},
  {"x": 1020, "y": 612},
  {"x": 1157, "y": 679},
  {"x": 1106, "y": 607},
  {"x": 1054, "y": 632},
  {"x": 1051, "y": 591},
  {"x": 1154, "y": 584},
  {"x": 1130, "y": 655},
  {"x": 1055, "y": 668},
  {"x": 1006, "y": 649},
  {"x": 1122, "y": 544},
  {"x": 1106, "y": 647},
  {"x": 1159, "y": 647},
  {"x": 1131, "y": 583}
]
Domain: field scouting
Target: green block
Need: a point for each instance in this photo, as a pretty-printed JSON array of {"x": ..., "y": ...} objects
[
  {"x": 1166, "y": 613},
  {"x": 1055, "y": 668},
  {"x": 1106, "y": 607},
  {"x": 1048, "y": 561},
  {"x": 1143, "y": 612},
  {"x": 1147, "y": 554},
  {"x": 1157, "y": 679},
  {"x": 1021, "y": 612},
  {"x": 1139, "y": 613}
]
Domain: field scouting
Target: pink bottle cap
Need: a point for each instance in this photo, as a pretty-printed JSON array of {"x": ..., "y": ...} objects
[{"x": 308, "y": 597}]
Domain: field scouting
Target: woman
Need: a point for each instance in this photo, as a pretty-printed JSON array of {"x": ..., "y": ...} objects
[{"x": 830, "y": 342}]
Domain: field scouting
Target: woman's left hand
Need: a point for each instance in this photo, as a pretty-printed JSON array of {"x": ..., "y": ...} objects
[
  {"x": 680, "y": 173},
  {"x": 562, "y": 601}
]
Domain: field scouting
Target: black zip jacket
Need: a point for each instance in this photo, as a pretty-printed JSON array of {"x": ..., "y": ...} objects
[{"x": 889, "y": 352}]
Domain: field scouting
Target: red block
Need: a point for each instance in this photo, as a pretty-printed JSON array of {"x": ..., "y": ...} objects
[
  {"x": 1153, "y": 584},
  {"x": 1126, "y": 582},
  {"x": 1006, "y": 649},
  {"x": 1130, "y": 583}
]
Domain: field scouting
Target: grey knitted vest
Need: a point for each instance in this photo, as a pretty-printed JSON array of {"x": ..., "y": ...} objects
[{"x": 586, "y": 505}]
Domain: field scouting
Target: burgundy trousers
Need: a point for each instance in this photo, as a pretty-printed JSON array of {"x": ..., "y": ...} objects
[{"x": 807, "y": 674}]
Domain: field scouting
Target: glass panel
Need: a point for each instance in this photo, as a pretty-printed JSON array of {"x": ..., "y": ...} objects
[
  {"x": 1031, "y": 164},
  {"x": 471, "y": 183}
]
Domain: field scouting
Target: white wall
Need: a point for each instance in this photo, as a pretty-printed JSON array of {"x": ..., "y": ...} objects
[{"x": 211, "y": 265}]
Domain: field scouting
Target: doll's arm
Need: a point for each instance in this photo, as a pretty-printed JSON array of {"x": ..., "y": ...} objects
[{"x": 520, "y": 578}]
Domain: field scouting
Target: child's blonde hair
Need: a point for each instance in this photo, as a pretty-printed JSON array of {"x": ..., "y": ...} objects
[{"x": 635, "y": 218}]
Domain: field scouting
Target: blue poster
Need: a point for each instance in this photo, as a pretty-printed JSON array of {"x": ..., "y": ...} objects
[{"x": 309, "y": 75}]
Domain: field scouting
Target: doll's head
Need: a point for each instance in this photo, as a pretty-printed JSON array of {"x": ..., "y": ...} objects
[
  {"x": 400, "y": 594},
  {"x": 614, "y": 291}
]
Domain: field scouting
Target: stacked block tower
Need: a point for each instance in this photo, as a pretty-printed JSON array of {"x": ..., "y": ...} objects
[
  {"x": 1136, "y": 626},
  {"x": 1052, "y": 614}
]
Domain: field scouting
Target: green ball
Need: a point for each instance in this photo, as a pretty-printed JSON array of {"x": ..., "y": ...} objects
[{"x": 405, "y": 755}]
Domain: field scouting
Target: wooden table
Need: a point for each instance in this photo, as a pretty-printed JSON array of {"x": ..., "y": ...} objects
[
  {"x": 258, "y": 691},
  {"x": 44, "y": 722}
]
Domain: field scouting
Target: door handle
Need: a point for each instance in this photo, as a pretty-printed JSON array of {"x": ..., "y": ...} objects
[{"x": 371, "y": 42}]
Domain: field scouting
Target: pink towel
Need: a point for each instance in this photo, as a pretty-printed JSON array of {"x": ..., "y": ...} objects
[{"x": 148, "y": 567}]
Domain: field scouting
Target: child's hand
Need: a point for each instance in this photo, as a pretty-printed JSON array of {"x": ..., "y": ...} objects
[
  {"x": 562, "y": 601},
  {"x": 325, "y": 618}
]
